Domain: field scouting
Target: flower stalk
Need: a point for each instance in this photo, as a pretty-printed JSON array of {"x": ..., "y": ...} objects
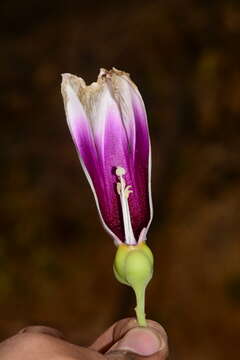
[{"x": 133, "y": 266}]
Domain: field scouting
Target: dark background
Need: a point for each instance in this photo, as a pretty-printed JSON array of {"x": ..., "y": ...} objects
[{"x": 55, "y": 259}]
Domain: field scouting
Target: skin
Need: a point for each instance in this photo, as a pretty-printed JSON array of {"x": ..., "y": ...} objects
[{"x": 124, "y": 340}]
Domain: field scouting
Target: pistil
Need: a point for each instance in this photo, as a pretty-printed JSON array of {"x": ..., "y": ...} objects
[{"x": 124, "y": 191}]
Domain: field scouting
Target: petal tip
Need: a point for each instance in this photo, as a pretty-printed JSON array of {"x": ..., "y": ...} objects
[
  {"x": 104, "y": 73},
  {"x": 74, "y": 81}
]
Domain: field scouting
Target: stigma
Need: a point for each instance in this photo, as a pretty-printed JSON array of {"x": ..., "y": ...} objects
[{"x": 124, "y": 191}]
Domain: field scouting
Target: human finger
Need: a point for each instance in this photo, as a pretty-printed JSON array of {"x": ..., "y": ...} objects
[
  {"x": 40, "y": 343},
  {"x": 126, "y": 337}
]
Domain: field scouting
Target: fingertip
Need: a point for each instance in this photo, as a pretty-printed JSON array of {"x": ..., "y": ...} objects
[
  {"x": 144, "y": 341},
  {"x": 124, "y": 325}
]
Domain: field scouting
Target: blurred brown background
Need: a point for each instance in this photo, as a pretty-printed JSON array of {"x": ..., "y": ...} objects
[{"x": 55, "y": 259}]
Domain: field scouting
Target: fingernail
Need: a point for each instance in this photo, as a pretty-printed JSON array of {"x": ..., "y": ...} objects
[{"x": 141, "y": 341}]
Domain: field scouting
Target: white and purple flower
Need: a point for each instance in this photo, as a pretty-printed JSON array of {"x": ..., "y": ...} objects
[{"x": 108, "y": 124}]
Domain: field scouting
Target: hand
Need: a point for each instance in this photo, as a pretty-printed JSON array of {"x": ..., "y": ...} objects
[{"x": 124, "y": 340}]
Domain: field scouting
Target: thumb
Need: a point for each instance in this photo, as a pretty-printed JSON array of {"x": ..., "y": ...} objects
[{"x": 139, "y": 342}]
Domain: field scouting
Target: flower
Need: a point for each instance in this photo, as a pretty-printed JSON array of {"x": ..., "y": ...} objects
[{"x": 108, "y": 124}]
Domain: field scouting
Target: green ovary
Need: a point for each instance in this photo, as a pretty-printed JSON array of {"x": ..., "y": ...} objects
[{"x": 133, "y": 266}]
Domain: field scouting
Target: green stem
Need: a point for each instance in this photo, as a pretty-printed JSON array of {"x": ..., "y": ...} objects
[{"x": 140, "y": 308}]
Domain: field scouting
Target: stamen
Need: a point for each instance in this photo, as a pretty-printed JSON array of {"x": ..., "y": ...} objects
[{"x": 124, "y": 192}]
